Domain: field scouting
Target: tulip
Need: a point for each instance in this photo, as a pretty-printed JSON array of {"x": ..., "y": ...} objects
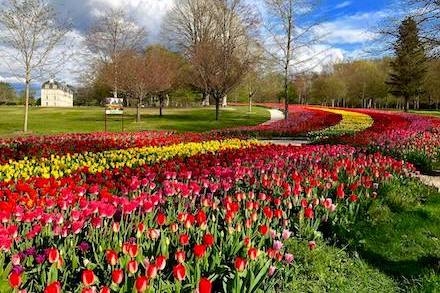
[
  {"x": 88, "y": 277},
  {"x": 161, "y": 219},
  {"x": 180, "y": 256},
  {"x": 277, "y": 245},
  {"x": 312, "y": 245},
  {"x": 88, "y": 290},
  {"x": 133, "y": 250},
  {"x": 184, "y": 239},
  {"x": 151, "y": 271},
  {"x": 105, "y": 290},
  {"x": 263, "y": 229},
  {"x": 132, "y": 266},
  {"x": 252, "y": 253},
  {"x": 271, "y": 271},
  {"x": 240, "y": 264},
  {"x": 205, "y": 285},
  {"x": 54, "y": 287},
  {"x": 112, "y": 257},
  {"x": 208, "y": 240},
  {"x": 288, "y": 257},
  {"x": 53, "y": 255},
  {"x": 179, "y": 272},
  {"x": 117, "y": 276},
  {"x": 308, "y": 213},
  {"x": 141, "y": 284},
  {"x": 199, "y": 250},
  {"x": 14, "y": 280},
  {"x": 161, "y": 262}
]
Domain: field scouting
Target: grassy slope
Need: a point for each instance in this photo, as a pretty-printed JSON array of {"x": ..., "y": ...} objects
[
  {"x": 394, "y": 248},
  {"x": 427, "y": 112},
  {"x": 401, "y": 235},
  {"x": 56, "y": 120}
]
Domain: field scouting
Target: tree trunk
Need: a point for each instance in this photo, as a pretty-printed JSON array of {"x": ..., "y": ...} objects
[
  {"x": 406, "y": 104},
  {"x": 160, "y": 105},
  {"x": 217, "y": 107},
  {"x": 138, "y": 110},
  {"x": 26, "y": 104},
  {"x": 250, "y": 102},
  {"x": 333, "y": 103}
]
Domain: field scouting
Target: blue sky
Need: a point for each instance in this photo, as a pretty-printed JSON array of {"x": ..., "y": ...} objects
[{"x": 348, "y": 26}]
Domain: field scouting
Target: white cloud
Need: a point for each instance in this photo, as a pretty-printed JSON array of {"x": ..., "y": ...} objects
[{"x": 343, "y": 5}]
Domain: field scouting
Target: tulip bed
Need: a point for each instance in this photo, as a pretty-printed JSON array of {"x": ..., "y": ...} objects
[
  {"x": 215, "y": 220},
  {"x": 351, "y": 123}
]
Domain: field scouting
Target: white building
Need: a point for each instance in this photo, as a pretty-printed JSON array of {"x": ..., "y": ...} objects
[{"x": 55, "y": 94}]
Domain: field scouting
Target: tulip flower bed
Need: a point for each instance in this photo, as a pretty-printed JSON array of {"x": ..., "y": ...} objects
[
  {"x": 58, "y": 166},
  {"x": 45, "y": 146},
  {"x": 301, "y": 120},
  {"x": 411, "y": 137},
  {"x": 351, "y": 123},
  {"x": 210, "y": 221}
]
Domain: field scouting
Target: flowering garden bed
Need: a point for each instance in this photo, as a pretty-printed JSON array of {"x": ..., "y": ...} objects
[{"x": 163, "y": 212}]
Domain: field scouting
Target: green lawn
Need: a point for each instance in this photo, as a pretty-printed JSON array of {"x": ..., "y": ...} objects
[
  {"x": 400, "y": 235},
  {"x": 426, "y": 112},
  {"x": 90, "y": 119}
]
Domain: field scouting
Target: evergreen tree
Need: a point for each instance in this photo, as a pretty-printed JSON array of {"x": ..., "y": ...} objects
[{"x": 409, "y": 65}]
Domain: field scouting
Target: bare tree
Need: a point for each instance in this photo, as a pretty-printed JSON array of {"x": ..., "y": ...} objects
[
  {"x": 112, "y": 34},
  {"x": 288, "y": 37},
  {"x": 218, "y": 38},
  {"x": 31, "y": 33}
]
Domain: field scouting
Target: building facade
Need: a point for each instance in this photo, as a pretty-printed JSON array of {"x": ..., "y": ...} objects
[{"x": 56, "y": 94}]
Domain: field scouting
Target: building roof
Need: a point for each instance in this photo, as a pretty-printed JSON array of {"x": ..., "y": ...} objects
[{"x": 61, "y": 85}]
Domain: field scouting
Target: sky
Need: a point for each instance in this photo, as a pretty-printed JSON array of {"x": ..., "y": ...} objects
[{"x": 347, "y": 27}]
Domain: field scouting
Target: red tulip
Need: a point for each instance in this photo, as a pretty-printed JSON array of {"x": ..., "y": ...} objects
[
  {"x": 240, "y": 264},
  {"x": 205, "y": 285},
  {"x": 184, "y": 239},
  {"x": 199, "y": 250},
  {"x": 180, "y": 256},
  {"x": 133, "y": 250},
  {"x": 14, "y": 280},
  {"x": 88, "y": 290},
  {"x": 141, "y": 284},
  {"x": 353, "y": 198},
  {"x": 208, "y": 239},
  {"x": 161, "y": 219},
  {"x": 161, "y": 262},
  {"x": 112, "y": 257},
  {"x": 88, "y": 277},
  {"x": 132, "y": 266},
  {"x": 117, "y": 276},
  {"x": 263, "y": 229},
  {"x": 308, "y": 213},
  {"x": 105, "y": 290},
  {"x": 179, "y": 272},
  {"x": 54, "y": 287},
  {"x": 53, "y": 255},
  {"x": 151, "y": 271},
  {"x": 252, "y": 253}
]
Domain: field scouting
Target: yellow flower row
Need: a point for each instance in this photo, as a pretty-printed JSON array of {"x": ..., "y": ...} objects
[
  {"x": 59, "y": 166},
  {"x": 351, "y": 122}
]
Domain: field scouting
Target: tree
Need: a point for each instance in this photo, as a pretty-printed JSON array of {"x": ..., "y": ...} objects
[
  {"x": 432, "y": 83},
  {"x": 427, "y": 13},
  {"x": 31, "y": 33},
  {"x": 328, "y": 88},
  {"x": 218, "y": 41},
  {"x": 409, "y": 65},
  {"x": 7, "y": 93},
  {"x": 163, "y": 68},
  {"x": 113, "y": 34},
  {"x": 288, "y": 37}
]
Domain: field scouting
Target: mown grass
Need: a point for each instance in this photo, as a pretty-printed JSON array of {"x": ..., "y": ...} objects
[
  {"x": 400, "y": 235},
  {"x": 91, "y": 119}
]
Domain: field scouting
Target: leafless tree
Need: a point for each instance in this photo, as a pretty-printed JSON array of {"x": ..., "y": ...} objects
[
  {"x": 31, "y": 34},
  {"x": 289, "y": 37},
  {"x": 112, "y": 34},
  {"x": 427, "y": 13},
  {"x": 218, "y": 38}
]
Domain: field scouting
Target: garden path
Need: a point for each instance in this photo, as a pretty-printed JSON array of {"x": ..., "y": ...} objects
[{"x": 275, "y": 115}]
